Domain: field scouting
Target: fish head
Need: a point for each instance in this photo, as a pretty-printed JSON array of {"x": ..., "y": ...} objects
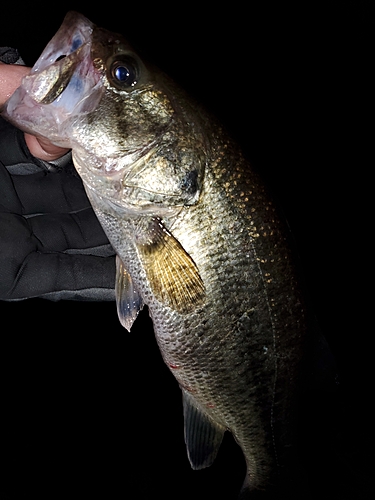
[{"x": 135, "y": 142}]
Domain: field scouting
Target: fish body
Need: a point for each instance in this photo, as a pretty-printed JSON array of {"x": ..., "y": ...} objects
[{"x": 197, "y": 236}]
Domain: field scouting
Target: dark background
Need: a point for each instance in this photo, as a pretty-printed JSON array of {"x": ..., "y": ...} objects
[{"x": 90, "y": 409}]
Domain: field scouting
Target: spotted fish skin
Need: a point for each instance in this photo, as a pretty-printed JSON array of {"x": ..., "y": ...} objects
[{"x": 197, "y": 235}]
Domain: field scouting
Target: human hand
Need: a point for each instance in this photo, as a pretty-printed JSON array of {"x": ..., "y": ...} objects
[{"x": 51, "y": 243}]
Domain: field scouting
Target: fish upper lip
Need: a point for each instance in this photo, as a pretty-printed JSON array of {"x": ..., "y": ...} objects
[{"x": 74, "y": 32}]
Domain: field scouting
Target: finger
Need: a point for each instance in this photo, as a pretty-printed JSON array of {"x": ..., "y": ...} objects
[
  {"x": 53, "y": 273},
  {"x": 44, "y": 149},
  {"x": 29, "y": 269},
  {"x": 68, "y": 232},
  {"x": 9, "y": 201},
  {"x": 10, "y": 78},
  {"x": 49, "y": 192}
]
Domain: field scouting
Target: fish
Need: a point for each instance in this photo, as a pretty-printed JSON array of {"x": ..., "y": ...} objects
[{"x": 198, "y": 238}]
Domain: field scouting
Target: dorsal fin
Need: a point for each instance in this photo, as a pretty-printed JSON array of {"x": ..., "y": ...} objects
[
  {"x": 129, "y": 302},
  {"x": 173, "y": 275},
  {"x": 203, "y": 436}
]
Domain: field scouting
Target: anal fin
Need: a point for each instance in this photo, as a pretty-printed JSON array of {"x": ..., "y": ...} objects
[{"x": 203, "y": 436}]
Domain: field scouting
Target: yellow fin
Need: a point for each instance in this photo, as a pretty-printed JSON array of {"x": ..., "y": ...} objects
[{"x": 173, "y": 275}]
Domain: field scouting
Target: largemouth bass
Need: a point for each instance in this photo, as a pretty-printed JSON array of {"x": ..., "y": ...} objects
[{"x": 197, "y": 236}]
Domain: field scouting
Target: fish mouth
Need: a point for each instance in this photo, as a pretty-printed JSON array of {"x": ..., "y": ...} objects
[
  {"x": 65, "y": 61},
  {"x": 63, "y": 82}
]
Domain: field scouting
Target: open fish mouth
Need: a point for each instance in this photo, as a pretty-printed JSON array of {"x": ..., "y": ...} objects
[
  {"x": 63, "y": 78},
  {"x": 48, "y": 85}
]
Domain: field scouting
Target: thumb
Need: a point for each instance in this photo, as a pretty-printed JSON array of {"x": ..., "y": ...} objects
[{"x": 10, "y": 79}]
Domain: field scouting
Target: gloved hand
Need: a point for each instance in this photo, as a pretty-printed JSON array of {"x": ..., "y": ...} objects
[{"x": 51, "y": 243}]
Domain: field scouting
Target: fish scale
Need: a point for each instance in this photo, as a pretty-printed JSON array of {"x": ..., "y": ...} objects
[{"x": 197, "y": 235}]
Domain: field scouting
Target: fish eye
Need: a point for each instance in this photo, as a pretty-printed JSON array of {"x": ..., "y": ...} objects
[{"x": 124, "y": 73}]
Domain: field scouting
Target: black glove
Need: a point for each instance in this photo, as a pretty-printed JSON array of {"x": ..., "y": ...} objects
[{"x": 51, "y": 243}]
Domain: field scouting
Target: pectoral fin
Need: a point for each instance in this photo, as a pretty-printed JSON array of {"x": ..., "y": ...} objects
[
  {"x": 128, "y": 300},
  {"x": 203, "y": 436},
  {"x": 173, "y": 275}
]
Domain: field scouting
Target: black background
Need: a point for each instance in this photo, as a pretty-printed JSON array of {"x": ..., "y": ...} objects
[{"x": 90, "y": 409}]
